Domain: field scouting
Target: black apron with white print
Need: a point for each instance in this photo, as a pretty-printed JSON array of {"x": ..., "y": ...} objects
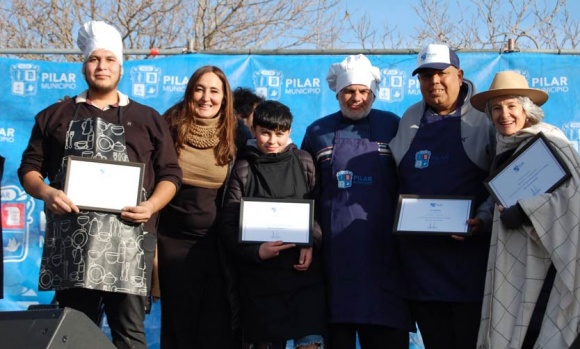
[{"x": 94, "y": 250}]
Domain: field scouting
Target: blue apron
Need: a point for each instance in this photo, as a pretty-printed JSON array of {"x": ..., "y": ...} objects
[
  {"x": 439, "y": 268},
  {"x": 363, "y": 270}
]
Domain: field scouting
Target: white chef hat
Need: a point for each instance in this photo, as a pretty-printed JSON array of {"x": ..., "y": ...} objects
[
  {"x": 98, "y": 35},
  {"x": 354, "y": 69}
]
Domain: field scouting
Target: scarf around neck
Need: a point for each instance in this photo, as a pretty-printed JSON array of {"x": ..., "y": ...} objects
[
  {"x": 203, "y": 133},
  {"x": 505, "y": 143}
]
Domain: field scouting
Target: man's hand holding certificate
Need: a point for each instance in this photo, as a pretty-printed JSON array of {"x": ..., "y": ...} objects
[{"x": 103, "y": 185}]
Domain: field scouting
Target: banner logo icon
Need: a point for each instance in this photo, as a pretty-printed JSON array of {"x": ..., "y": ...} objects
[
  {"x": 268, "y": 83},
  {"x": 391, "y": 86},
  {"x": 145, "y": 79},
  {"x": 24, "y": 78},
  {"x": 17, "y": 209}
]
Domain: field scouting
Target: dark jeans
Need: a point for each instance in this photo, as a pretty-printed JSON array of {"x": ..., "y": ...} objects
[
  {"x": 125, "y": 313},
  {"x": 343, "y": 336}
]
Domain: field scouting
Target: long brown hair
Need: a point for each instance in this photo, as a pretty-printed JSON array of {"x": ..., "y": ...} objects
[{"x": 181, "y": 117}]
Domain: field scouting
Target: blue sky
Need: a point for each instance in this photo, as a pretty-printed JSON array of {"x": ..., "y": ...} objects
[
  {"x": 401, "y": 13},
  {"x": 398, "y": 12}
]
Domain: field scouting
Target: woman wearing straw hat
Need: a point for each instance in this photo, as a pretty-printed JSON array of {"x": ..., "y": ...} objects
[{"x": 532, "y": 292}]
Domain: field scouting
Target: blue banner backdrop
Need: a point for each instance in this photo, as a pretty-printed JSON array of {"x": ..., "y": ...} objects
[{"x": 296, "y": 80}]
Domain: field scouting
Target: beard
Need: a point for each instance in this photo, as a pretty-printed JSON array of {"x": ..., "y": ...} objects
[
  {"x": 100, "y": 86},
  {"x": 355, "y": 114},
  {"x": 103, "y": 87}
]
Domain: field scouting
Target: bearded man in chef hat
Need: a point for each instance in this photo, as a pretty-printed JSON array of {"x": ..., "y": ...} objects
[
  {"x": 99, "y": 257},
  {"x": 358, "y": 191}
]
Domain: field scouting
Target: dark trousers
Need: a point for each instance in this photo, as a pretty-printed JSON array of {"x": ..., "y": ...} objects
[
  {"x": 343, "y": 336},
  {"x": 125, "y": 313},
  {"x": 195, "y": 311},
  {"x": 448, "y": 325}
]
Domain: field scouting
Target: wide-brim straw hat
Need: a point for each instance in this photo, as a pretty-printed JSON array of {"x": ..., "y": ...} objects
[{"x": 508, "y": 83}]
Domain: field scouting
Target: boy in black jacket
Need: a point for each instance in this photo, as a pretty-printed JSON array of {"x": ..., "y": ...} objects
[{"x": 281, "y": 284}]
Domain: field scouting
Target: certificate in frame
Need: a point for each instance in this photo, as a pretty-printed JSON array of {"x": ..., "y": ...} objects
[
  {"x": 103, "y": 185},
  {"x": 287, "y": 220},
  {"x": 433, "y": 215},
  {"x": 533, "y": 170}
]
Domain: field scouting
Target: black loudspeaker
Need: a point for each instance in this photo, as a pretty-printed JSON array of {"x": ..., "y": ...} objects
[{"x": 50, "y": 329}]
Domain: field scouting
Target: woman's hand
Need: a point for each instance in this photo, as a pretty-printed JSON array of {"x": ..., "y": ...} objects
[
  {"x": 513, "y": 217},
  {"x": 138, "y": 214}
]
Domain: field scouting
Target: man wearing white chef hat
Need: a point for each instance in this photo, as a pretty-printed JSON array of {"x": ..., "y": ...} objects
[{"x": 100, "y": 257}]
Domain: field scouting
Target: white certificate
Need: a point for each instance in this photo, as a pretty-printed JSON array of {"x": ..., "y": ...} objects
[
  {"x": 433, "y": 215},
  {"x": 533, "y": 170},
  {"x": 290, "y": 221},
  {"x": 103, "y": 185}
]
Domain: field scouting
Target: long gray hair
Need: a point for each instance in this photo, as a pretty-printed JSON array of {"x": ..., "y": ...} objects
[{"x": 534, "y": 113}]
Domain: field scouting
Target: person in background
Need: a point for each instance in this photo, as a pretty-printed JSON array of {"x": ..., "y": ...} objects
[
  {"x": 198, "y": 308},
  {"x": 100, "y": 123},
  {"x": 532, "y": 289},
  {"x": 281, "y": 285},
  {"x": 445, "y": 147},
  {"x": 245, "y": 101},
  {"x": 357, "y": 201}
]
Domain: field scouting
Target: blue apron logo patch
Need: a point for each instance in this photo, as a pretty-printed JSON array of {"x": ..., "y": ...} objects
[
  {"x": 422, "y": 158},
  {"x": 344, "y": 179}
]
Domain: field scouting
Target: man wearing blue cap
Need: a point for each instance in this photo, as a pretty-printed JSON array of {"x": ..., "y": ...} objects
[{"x": 455, "y": 143}]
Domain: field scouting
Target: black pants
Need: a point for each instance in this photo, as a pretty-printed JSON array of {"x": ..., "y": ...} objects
[
  {"x": 343, "y": 336},
  {"x": 448, "y": 325},
  {"x": 125, "y": 313},
  {"x": 195, "y": 311}
]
